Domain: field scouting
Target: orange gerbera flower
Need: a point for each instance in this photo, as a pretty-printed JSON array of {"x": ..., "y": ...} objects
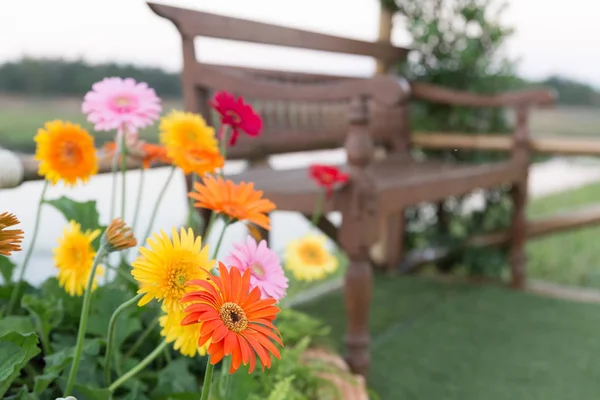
[
  {"x": 234, "y": 319},
  {"x": 196, "y": 159},
  {"x": 238, "y": 201},
  {"x": 10, "y": 239}
]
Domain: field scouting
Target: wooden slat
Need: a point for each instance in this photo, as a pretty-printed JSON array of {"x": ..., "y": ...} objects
[
  {"x": 192, "y": 23},
  {"x": 502, "y": 142},
  {"x": 557, "y": 223}
]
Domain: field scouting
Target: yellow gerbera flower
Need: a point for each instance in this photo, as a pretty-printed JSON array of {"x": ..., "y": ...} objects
[
  {"x": 66, "y": 152},
  {"x": 185, "y": 337},
  {"x": 191, "y": 144},
  {"x": 74, "y": 257},
  {"x": 163, "y": 268},
  {"x": 308, "y": 258}
]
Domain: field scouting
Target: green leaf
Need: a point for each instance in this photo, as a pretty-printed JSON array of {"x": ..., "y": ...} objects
[
  {"x": 175, "y": 378},
  {"x": 137, "y": 392},
  {"x": 57, "y": 362},
  {"x": 92, "y": 393},
  {"x": 22, "y": 394},
  {"x": 48, "y": 312},
  {"x": 85, "y": 213},
  {"x": 6, "y": 268},
  {"x": 14, "y": 323},
  {"x": 15, "y": 352},
  {"x": 107, "y": 299}
]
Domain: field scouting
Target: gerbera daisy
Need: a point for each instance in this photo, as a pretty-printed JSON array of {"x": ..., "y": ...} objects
[
  {"x": 180, "y": 129},
  {"x": 240, "y": 202},
  {"x": 124, "y": 104},
  {"x": 163, "y": 268},
  {"x": 66, "y": 152},
  {"x": 74, "y": 257},
  {"x": 236, "y": 114},
  {"x": 327, "y": 176},
  {"x": 10, "y": 239},
  {"x": 196, "y": 159},
  {"x": 185, "y": 338},
  {"x": 309, "y": 259},
  {"x": 263, "y": 263},
  {"x": 234, "y": 319}
]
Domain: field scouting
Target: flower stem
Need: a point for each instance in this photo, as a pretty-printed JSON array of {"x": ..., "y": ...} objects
[
  {"x": 113, "y": 197},
  {"x": 140, "y": 339},
  {"x": 157, "y": 204},
  {"x": 123, "y": 172},
  {"x": 15, "y": 292},
  {"x": 190, "y": 216},
  {"x": 122, "y": 273},
  {"x": 138, "y": 202},
  {"x": 211, "y": 222},
  {"x": 207, "y": 381},
  {"x": 318, "y": 209},
  {"x": 223, "y": 132},
  {"x": 220, "y": 240},
  {"x": 133, "y": 371},
  {"x": 110, "y": 336},
  {"x": 85, "y": 310}
]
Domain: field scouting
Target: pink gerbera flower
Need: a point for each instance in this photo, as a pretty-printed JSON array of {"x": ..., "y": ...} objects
[
  {"x": 123, "y": 104},
  {"x": 263, "y": 263},
  {"x": 236, "y": 114}
]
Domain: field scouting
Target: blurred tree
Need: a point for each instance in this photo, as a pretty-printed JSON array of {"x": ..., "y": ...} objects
[{"x": 458, "y": 44}]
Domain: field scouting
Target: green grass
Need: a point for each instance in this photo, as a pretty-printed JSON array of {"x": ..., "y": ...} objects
[
  {"x": 21, "y": 117},
  {"x": 572, "y": 257},
  {"x": 458, "y": 342}
]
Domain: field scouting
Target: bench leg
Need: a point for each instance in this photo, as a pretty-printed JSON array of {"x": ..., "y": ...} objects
[
  {"x": 518, "y": 235},
  {"x": 357, "y": 294},
  {"x": 394, "y": 240}
]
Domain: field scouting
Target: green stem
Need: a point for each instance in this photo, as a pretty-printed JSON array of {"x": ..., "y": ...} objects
[
  {"x": 141, "y": 339},
  {"x": 138, "y": 202},
  {"x": 318, "y": 209},
  {"x": 207, "y": 381},
  {"x": 85, "y": 310},
  {"x": 138, "y": 367},
  {"x": 225, "y": 381},
  {"x": 190, "y": 216},
  {"x": 122, "y": 273},
  {"x": 113, "y": 198},
  {"x": 123, "y": 172},
  {"x": 220, "y": 240},
  {"x": 211, "y": 222},
  {"x": 15, "y": 292},
  {"x": 110, "y": 337},
  {"x": 157, "y": 205}
]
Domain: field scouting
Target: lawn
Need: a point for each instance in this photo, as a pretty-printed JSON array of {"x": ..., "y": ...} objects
[
  {"x": 568, "y": 258},
  {"x": 21, "y": 117},
  {"x": 432, "y": 340}
]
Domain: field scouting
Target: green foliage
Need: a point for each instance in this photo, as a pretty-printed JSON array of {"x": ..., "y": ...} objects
[
  {"x": 61, "y": 77},
  {"x": 15, "y": 352},
  {"x": 459, "y": 45},
  {"x": 572, "y": 92},
  {"x": 6, "y": 268}
]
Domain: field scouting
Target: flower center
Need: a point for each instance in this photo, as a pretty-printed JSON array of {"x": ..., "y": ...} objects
[
  {"x": 233, "y": 116},
  {"x": 123, "y": 104},
  {"x": 327, "y": 178},
  {"x": 234, "y": 317},
  {"x": 71, "y": 153},
  {"x": 176, "y": 280},
  {"x": 257, "y": 269},
  {"x": 311, "y": 254}
]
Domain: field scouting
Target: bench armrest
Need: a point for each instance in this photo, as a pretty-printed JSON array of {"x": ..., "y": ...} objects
[
  {"x": 387, "y": 90},
  {"x": 439, "y": 94}
]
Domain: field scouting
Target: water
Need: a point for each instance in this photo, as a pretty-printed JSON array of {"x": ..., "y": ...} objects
[{"x": 22, "y": 201}]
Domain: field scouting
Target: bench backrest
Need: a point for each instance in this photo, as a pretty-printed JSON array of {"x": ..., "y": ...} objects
[{"x": 300, "y": 111}]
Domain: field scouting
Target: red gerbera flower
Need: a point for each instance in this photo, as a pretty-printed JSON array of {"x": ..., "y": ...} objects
[
  {"x": 327, "y": 176},
  {"x": 234, "y": 319},
  {"x": 236, "y": 114}
]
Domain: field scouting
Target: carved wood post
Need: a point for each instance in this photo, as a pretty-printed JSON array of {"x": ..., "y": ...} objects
[
  {"x": 521, "y": 155},
  {"x": 354, "y": 235}
]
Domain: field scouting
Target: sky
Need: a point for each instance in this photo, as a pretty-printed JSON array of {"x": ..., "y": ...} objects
[{"x": 552, "y": 36}]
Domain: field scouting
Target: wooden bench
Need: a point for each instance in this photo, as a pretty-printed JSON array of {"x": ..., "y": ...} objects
[{"x": 310, "y": 111}]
